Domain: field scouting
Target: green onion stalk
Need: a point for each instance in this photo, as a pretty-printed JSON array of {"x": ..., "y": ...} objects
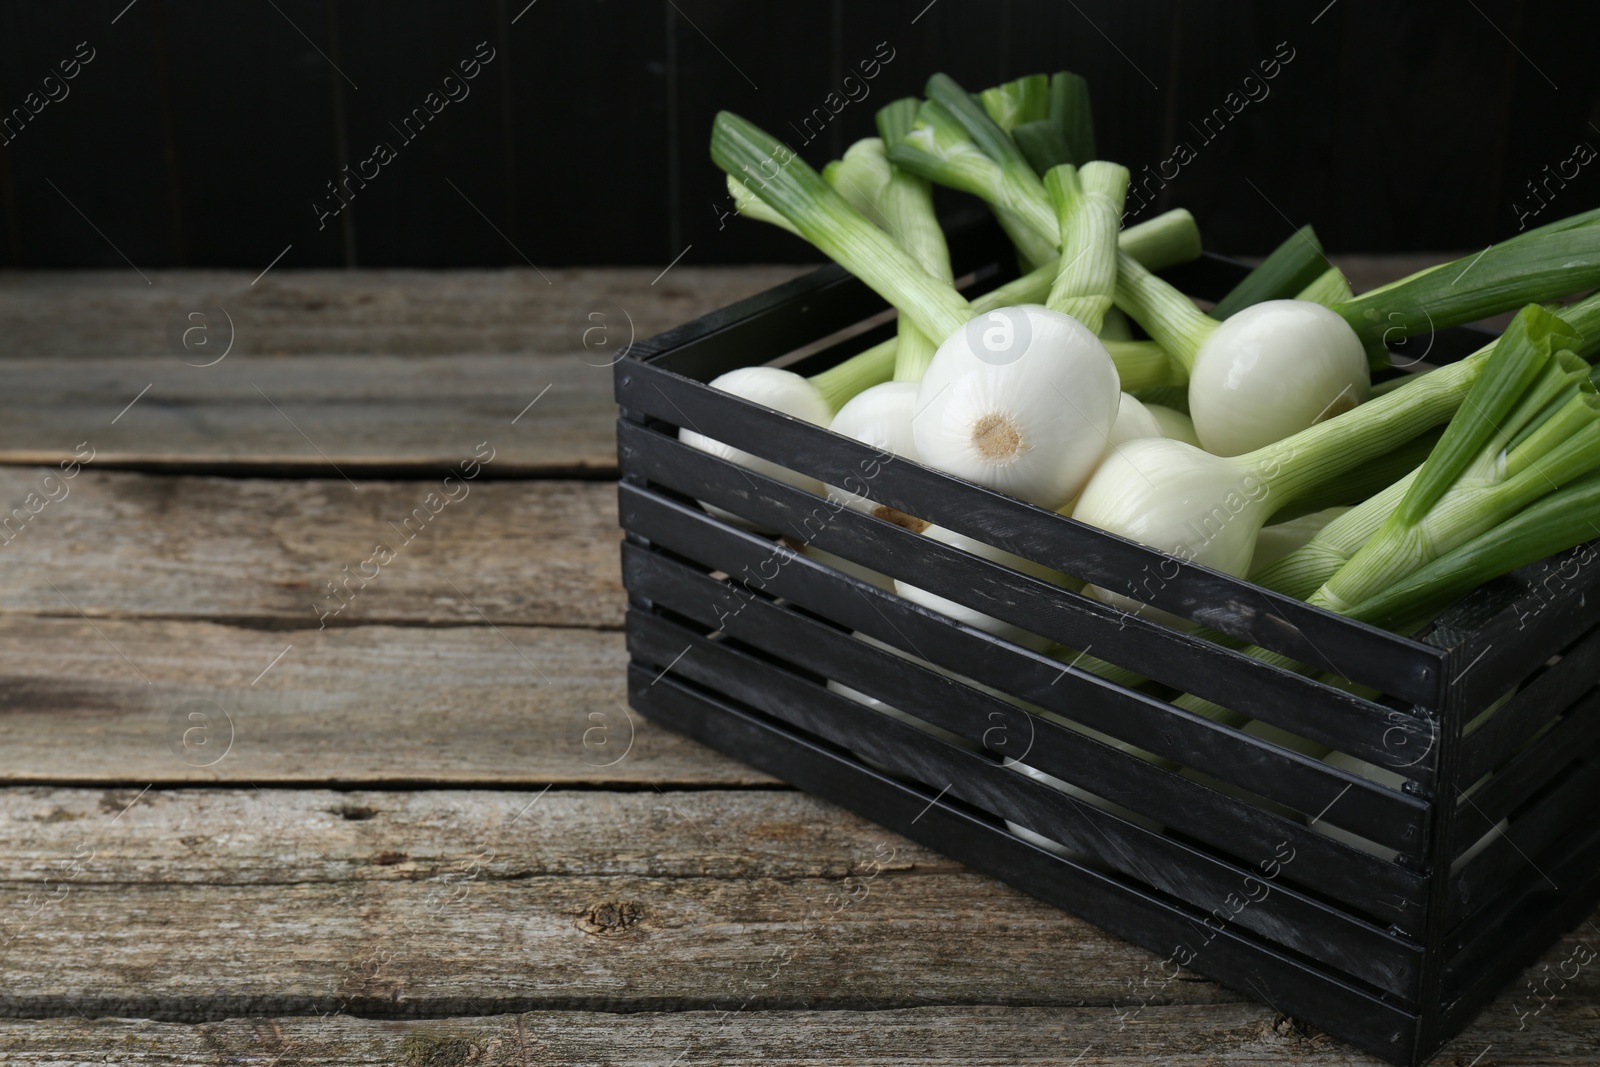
[
  {"x": 1238, "y": 369},
  {"x": 1513, "y": 479},
  {"x": 787, "y": 186},
  {"x": 909, "y": 215},
  {"x": 1290, "y": 269},
  {"x": 1088, "y": 204}
]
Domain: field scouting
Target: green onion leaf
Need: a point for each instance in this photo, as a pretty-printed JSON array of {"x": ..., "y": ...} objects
[
  {"x": 787, "y": 184},
  {"x": 1016, "y": 102},
  {"x": 1530, "y": 268},
  {"x": 1521, "y": 354},
  {"x": 1069, "y": 109},
  {"x": 1292, "y": 266}
]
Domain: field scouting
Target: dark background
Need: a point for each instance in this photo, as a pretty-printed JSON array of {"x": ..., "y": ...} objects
[{"x": 203, "y": 130}]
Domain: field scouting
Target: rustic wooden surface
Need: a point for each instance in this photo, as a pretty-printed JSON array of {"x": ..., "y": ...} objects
[{"x": 424, "y": 829}]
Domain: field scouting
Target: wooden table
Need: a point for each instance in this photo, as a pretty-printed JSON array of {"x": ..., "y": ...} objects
[{"x": 244, "y": 827}]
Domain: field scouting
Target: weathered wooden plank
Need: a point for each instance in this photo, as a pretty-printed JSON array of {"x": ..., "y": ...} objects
[
  {"x": 439, "y": 903},
  {"x": 300, "y": 901},
  {"x": 383, "y": 312},
  {"x": 465, "y": 705},
  {"x": 365, "y": 372},
  {"x": 248, "y": 837},
  {"x": 1180, "y": 1035},
  {"x": 360, "y": 416},
  {"x": 1184, "y": 1036},
  {"x": 119, "y": 544},
  {"x": 1188, "y": 1035}
]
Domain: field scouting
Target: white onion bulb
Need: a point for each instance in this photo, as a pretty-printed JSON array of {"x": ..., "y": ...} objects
[
  {"x": 1174, "y": 424},
  {"x": 1134, "y": 420},
  {"x": 1272, "y": 370},
  {"x": 1021, "y": 400},
  {"x": 880, "y": 417},
  {"x": 771, "y": 387},
  {"x": 1172, "y": 496}
]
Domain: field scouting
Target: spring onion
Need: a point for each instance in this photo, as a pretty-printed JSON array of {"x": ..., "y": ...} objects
[
  {"x": 1210, "y": 508},
  {"x": 1238, "y": 369},
  {"x": 1022, "y": 401},
  {"x": 1088, "y": 206},
  {"x": 790, "y": 187}
]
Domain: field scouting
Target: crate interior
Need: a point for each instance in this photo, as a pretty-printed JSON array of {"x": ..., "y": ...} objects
[{"x": 1166, "y": 805}]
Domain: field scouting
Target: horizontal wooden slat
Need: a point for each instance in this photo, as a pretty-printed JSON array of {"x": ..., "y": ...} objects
[
  {"x": 1377, "y": 814},
  {"x": 1574, "y": 737},
  {"x": 1181, "y": 660},
  {"x": 133, "y": 545},
  {"x": 1198, "y": 879},
  {"x": 1568, "y": 804},
  {"x": 1540, "y": 906},
  {"x": 1535, "y": 704},
  {"x": 464, "y": 705},
  {"x": 309, "y": 901},
  {"x": 357, "y": 312},
  {"x": 1110, "y": 903},
  {"x": 1181, "y": 1035},
  {"x": 316, "y": 415},
  {"x": 1559, "y": 599},
  {"x": 378, "y": 370}
]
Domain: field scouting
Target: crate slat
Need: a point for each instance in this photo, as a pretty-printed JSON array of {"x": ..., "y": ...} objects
[
  {"x": 1534, "y": 705},
  {"x": 1575, "y": 737},
  {"x": 1371, "y": 810},
  {"x": 1366, "y": 1020},
  {"x": 1185, "y": 662},
  {"x": 1521, "y": 924},
  {"x": 1571, "y": 802},
  {"x": 1508, "y": 648}
]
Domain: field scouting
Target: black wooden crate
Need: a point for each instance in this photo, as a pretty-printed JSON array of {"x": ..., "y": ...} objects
[{"x": 1394, "y": 956}]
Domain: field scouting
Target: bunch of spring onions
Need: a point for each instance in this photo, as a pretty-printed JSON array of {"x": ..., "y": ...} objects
[{"x": 1195, "y": 436}]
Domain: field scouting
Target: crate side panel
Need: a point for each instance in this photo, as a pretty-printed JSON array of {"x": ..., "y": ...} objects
[
  {"x": 1553, "y": 690},
  {"x": 1243, "y": 897},
  {"x": 1557, "y": 599},
  {"x": 1010, "y": 731},
  {"x": 1520, "y": 926},
  {"x": 1574, "y": 736},
  {"x": 1569, "y": 804},
  {"x": 1376, "y": 1025},
  {"x": 1264, "y": 768}
]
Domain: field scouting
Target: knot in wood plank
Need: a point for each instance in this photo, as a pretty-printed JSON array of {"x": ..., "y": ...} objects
[{"x": 611, "y": 918}]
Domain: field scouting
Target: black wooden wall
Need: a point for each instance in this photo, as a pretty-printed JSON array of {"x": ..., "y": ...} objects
[{"x": 205, "y": 132}]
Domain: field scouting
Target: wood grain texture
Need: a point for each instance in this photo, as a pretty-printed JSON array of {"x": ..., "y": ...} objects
[
  {"x": 329, "y": 371},
  {"x": 121, "y": 544},
  {"x": 368, "y": 373},
  {"x": 218, "y": 903},
  {"x": 372, "y": 704},
  {"x": 1184, "y": 1036},
  {"x": 1180, "y": 1035},
  {"x": 366, "y": 312},
  {"x": 214, "y": 904}
]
